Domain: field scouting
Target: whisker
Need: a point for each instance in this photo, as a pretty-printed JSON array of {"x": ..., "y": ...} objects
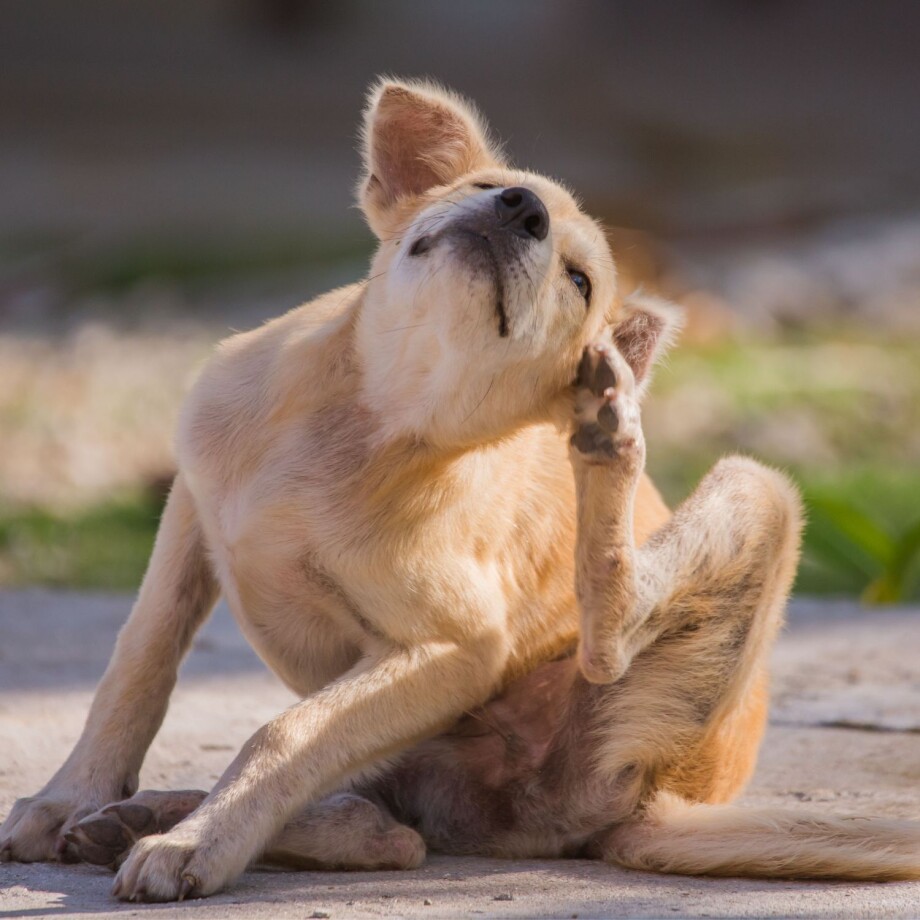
[
  {"x": 400, "y": 328},
  {"x": 481, "y": 401}
]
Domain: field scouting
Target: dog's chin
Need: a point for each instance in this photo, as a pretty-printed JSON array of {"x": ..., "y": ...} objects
[{"x": 484, "y": 261}]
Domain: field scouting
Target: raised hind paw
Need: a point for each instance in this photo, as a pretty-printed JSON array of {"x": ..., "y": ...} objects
[{"x": 607, "y": 418}]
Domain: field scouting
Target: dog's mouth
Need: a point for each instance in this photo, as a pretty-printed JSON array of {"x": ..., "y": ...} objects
[
  {"x": 480, "y": 253},
  {"x": 490, "y": 252},
  {"x": 503, "y": 236}
]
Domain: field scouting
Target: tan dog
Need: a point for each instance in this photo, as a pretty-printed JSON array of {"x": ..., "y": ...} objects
[{"x": 378, "y": 483}]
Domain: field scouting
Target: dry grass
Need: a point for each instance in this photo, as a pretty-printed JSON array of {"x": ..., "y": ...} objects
[
  {"x": 92, "y": 413},
  {"x": 87, "y": 419}
]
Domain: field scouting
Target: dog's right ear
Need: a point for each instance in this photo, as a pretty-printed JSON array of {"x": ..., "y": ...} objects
[
  {"x": 646, "y": 329},
  {"x": 416, "y": 136}
]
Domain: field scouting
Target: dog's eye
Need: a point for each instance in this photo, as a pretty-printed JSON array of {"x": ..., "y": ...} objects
[
  {"x": 484, "y": 185},
  {"x": 581, "y": 281},
  {"x": 420, "y": 246}
]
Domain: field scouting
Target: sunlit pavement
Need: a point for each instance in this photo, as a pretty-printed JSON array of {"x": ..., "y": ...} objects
[{"x": 845, "y": 737}]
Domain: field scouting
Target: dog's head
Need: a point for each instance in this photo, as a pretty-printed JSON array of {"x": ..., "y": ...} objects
[{"x": 488, "y": 281}]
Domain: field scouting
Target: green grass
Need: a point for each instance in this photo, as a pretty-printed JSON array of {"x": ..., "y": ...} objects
[
  {"x": 854, "y": 523},
  {"x": 862, "y": 533},
  {"x": 106, "y": 546},
  {"x": 863, "y": 537},
  {"x": 840, "y": 416},
  {"x": 839, "y": 413}
]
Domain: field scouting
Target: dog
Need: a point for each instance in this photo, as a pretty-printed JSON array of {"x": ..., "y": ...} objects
[{"x": 423, "y": 499}]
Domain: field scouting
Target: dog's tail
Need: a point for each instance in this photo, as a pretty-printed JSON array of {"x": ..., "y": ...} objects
[{"x": 688, "y": 839}]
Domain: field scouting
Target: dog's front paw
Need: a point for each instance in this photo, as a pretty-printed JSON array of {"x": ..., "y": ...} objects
[
  {"x": 607, "y": 418},
  {"x": 174, "y": 866},
  {"x": 36, "y": 827}
]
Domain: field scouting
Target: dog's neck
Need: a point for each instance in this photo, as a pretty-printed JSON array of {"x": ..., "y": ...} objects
[{"x": 418, "y": 391}]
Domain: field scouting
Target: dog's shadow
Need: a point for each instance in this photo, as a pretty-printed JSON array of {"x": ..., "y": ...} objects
[
  {"x": 450, "y": 886},
  {"x": 54, "y": 641}
]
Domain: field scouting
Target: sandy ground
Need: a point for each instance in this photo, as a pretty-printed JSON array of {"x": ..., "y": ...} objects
[{"x": 845, "y": 737}]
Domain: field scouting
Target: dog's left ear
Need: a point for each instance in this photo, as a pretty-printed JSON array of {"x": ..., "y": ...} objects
[
  {"x": 646, "y": 329},
  {"x": 416, "y": 136}
]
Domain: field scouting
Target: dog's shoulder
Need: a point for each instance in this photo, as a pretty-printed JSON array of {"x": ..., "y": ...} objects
[{"x": 255, "y": 380}]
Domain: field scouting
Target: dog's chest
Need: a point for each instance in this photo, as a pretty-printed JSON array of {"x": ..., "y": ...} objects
[
  {"x": 325, "y": 549},
  {"x": 294, "y": 613},
  {"x": 269, "y": 537},
  {"x": 319, "y": 566}
]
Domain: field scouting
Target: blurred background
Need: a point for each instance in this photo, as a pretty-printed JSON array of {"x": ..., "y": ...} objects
[{"x": 172, "y": 170}]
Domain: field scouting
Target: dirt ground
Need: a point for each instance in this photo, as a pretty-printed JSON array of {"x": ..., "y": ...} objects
[{"x": 845, "y": 737}]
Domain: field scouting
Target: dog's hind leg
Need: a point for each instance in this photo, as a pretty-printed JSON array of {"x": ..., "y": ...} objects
[
  {"x": 686, "y": 720},
  {"x": 342, "y": 831},
  {"x": 345, "y": 831},
  {"x": 176, "y": 596},
  {"x": 688, "y": 711},
  {"x": 734, "y": 541},
  {"x": 686, "y": 622},
  {"x": 687, "y": 717},
  {"x": 703, "y": 597}
]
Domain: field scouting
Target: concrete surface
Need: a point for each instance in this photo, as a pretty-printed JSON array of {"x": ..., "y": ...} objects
[{"x": 845, "y": 737}]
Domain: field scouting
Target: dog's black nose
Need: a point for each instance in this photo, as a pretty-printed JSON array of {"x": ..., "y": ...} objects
[{"x": 523, "y": 213}]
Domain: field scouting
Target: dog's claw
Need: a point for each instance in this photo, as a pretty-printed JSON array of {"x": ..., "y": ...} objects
[
  {"x": 188, "y": 886},
  {"x": 584, "y": 370},
  {"x": 63, "y": 851}
]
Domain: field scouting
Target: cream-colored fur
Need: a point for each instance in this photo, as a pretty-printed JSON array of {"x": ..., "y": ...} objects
[
  {"x": 695, "y": 839},
  {"x": 379, "y": 485},
  {"x": 376, "y": 485},
  {"x": 675, "y": 639}
]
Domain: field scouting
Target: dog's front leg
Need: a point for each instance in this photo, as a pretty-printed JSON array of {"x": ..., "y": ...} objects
[
  {"x": 379, "y": 707},
  {"x": 178, "y": 592}
]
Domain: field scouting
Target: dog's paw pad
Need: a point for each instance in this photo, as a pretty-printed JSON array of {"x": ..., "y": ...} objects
[
  {"x": 139, "y": 818},
  {"x": 606, "y": 405},
  {"x": 591, "y": 439},
  {"x": 105, "y": 837}
]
